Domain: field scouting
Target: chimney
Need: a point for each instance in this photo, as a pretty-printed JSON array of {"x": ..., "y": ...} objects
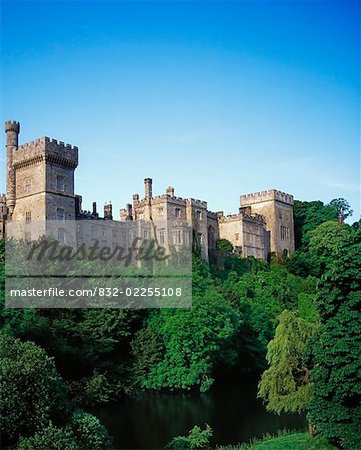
[
  {"x": 135, "y": 198},
  {"x": 170, "y": 191},
  {"x": 108, "y": 211},
  {"x": 129, "y": 211},
  {"x": 95, "y": 209},
  {"x": 148, "y": 188},
  {"x": 78, "y": 202}
]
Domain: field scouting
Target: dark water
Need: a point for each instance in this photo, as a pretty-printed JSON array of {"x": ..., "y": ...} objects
[{"x": 231, "y": 409}]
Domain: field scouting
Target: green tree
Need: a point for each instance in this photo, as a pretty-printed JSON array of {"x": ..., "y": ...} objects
[
  {"x": 49, "y": 438},
  {"x": 83, "y": 432},
  {"x": 285, "y": 385},
  {"x": 192, "y": 341},
  {"x": 342, "y": 208},
  {"x": 224, "y": 245},
  {"x": 308, "y": 216},
  {"x": 335, "y": 408},
  {"x": 89, "y": 433},
  {"x": 326, "y": 238},
  {"x": 32, "y": 392}
]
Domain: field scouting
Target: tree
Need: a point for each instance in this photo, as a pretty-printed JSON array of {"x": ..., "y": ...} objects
[
  {"x": 335, "y": 408},
  {"x": 49, "y": 438},
  {"x": 84, "y": 431},
  {"x": 342, "y": 208},
  {"x": 224, "y": 246},
  {"x": 308, "y": 216},
  {"x": 190, "y": 342},
  {"x": 326, "y": 238},
  {"x": 89, "y": 433},
  {"x": 32, "y": 392},
  {"x": 285, "y": 386}
]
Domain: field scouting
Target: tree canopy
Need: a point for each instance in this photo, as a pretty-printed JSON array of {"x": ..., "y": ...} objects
[{"x": 335, "y": 408}]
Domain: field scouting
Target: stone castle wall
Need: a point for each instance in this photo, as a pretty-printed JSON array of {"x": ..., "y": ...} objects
[
  {"x": 277, "y": 208},
  {"x": 264, "y": 223}
]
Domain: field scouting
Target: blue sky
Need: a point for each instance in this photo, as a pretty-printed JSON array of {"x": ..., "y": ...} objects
[{"x": 214, "y": 98}]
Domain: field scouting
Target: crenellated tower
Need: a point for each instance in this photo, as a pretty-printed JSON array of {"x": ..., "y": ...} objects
[
  {"x": 277, "y": 208},
  {"x": 40, "y": 181}
]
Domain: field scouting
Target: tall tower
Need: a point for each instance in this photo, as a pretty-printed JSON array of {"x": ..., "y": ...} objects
[
  {"x": 40, "y": 185},
  {"x": 12, "y": 130},
  {"x": 277, "y": 209}
]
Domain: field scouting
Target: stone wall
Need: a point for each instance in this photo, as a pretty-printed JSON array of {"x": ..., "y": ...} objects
[{"x": 277, "y": 209}]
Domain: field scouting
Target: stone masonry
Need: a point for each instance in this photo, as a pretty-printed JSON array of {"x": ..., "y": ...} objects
[{"x": 40, "y": 187}]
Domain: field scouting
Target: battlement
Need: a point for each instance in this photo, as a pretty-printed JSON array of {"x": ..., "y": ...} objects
[
  {"x": 12, "y": 125},
  {"x": 266, "y": 196},
  {"x": 46, "y": 148},
  {"x": 2, "y": 198},
  {"x": 173, "y": 199},
  {"x": 254, "y": 218},
  {"x": 212, "y": 215},
  {"x": 196, "y": 202}
]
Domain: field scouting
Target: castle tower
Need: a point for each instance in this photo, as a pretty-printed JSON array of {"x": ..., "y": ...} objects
[
  {"x": 40, "y": 187},
  {"x": 12, "y": 130},
  {"x": 277, "y": 208}
]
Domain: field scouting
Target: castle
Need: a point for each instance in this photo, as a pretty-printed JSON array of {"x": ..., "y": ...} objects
[{"x": 40, "y": 187}]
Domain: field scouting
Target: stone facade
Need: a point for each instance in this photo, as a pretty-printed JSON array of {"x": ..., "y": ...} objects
[
  {"x": 277, "y": 209},
  {"x": 40, "y": 187},
  {"x": 247, "y": 233}
]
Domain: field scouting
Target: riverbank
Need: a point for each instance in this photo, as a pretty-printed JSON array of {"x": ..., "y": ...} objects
[{"x": 285, "y": 441}]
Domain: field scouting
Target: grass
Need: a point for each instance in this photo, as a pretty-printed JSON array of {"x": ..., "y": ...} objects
[{"x": 284, "y": 441}]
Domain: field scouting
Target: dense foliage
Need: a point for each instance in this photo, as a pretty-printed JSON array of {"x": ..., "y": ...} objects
[
  {"x": 246, "y": 314},
  {"x": 34, "y": 403},
  {"x": 335, "y": 409}
]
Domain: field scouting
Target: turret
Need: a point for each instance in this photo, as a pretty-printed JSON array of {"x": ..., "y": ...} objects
[
  {"x": 170, "y": 191},
  {"x": 148, "y": 188},
  {"x": 12, "y": 130}
]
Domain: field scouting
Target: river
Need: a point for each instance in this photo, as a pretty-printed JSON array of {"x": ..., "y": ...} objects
[{"x": 230, "y": 408}]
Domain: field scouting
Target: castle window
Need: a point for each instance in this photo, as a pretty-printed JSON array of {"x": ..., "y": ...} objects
[
  {"x": 60, "y": 214},
  {"x": 28, "y": 217},
  {"x": 114, "y": 233},
  {"x": 141, "y": 216},
  {"x": 27, "y": 185},
  {"x": 177, "y": 235},
  {"x": 199, "y": 215},
  {"x": 60, "y": 184},
  {"x": 177, "y": 212},
  {"x": 103, "y": 232},
  {"x": 145, "y": 234},
  {"x": 285, "y": 232},
  {"x": 236, "y": 236},
  {"x": 61, "y": 235},
  {"x": 161, "y": 236},
  {"x": 161, "y": 211}
]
